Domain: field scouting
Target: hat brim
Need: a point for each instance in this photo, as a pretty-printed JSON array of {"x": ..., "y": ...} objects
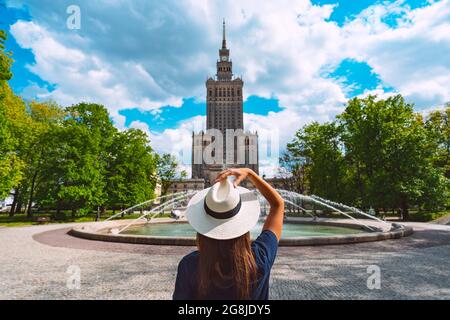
[{"x": 224, "y": 229}]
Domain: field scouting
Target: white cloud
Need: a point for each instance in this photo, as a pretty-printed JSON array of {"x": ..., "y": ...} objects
[
  {"x": 178, "y": 141},
  {"x": 80, "y": 76},
  {"x": 413, "y": 57}
]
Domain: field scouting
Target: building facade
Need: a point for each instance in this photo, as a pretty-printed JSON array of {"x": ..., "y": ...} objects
[
  {"x": 224, "y": 143},
  {"x": 185, "y": 185}
]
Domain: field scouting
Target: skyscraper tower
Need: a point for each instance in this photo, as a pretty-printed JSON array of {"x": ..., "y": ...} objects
[
  {"x": 224, "y": 94},
  {"x": 224, "y": 111}
]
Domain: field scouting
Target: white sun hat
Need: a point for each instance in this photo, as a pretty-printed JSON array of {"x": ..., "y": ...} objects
[{"x": 223, "y": 211}]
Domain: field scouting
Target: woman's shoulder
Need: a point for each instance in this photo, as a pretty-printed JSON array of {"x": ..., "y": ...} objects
[
  {"x": 265, "y": 248},
  {"x": 190, "y": 259},
  {"x": 266, "y": 238}
]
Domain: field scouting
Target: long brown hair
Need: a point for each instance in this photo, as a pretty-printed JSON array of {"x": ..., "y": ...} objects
[{"x": 224, "y": 263}]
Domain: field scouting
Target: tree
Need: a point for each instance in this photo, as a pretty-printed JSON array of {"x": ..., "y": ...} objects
[
  {"x": 10, "y": 164},
  {"x": 387, "y": 146},
  {"x": 45, "y": 116},
  {"x": 131, "y": 169},
  {"x": 319, "y": 150},
  {"x": 437, "y": 125},
  {"x": 378, "y": 153},
  {"x": 293, "y": 172},
  {"x": 14, "y": 122},
  {"x": 166, "y": 169},
  {"x": 183, "y": 174},
  {"x": 5, "y": 59},
  {"x": 76, "y": 161}
]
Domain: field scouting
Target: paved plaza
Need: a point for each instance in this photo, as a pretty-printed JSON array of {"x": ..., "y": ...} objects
[{"x": 38, "y": 261}]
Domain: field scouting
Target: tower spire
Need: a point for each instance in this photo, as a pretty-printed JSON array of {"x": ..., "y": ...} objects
[{"x": 224, "y": 41}]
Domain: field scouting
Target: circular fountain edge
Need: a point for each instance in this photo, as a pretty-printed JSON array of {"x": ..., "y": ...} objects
[{"x": 101, "y": 234}]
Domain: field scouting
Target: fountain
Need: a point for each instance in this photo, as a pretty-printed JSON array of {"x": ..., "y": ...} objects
[{"x": 309, "y": 220}]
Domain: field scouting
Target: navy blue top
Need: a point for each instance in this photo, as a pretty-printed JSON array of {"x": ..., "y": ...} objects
[{"x": 264, "y": 249}]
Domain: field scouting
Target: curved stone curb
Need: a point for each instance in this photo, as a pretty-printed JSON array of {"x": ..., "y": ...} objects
[
  {"x": 347, "y": 239},
  {"x": 138, "y": 239},
  {"x": 101, "y": 235}
]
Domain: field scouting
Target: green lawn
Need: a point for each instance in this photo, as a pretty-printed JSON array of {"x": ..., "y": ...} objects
[
  {"x": 427, "y": 216},
  {"x": 19, "y": 220}
]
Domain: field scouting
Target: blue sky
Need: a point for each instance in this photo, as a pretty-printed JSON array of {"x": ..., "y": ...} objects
[
  {"x": 300, "y": 60},
  {"x": 347, "y": 10}
]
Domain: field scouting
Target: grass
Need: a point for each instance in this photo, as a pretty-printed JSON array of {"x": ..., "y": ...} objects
[
  {"x": 414, "y": 215},
  {"x": 427, "y": 216},
  {"x": 20, "y": 220}
]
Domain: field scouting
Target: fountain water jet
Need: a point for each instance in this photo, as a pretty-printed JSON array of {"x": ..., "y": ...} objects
[{"x": 313, "y": 231}]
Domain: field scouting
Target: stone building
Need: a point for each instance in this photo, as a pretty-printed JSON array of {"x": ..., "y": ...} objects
[
  {"x": 224, "y": 143},
  {"x": 185, "y": 185},
  {"x": 225, "y": 127}
]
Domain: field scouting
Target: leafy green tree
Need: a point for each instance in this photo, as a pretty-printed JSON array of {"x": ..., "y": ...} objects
[
  {"x": 14, "y": 122},
  {"x": 10, "y": 164},
  {"x": 293, "y": 172},
  {"x": 45, "y": 116},
  {"x": 5, "y": 59},
  {"x": 166, "y": 169},
  {"x": 8, "y": 176},
  {"x": 437, "y": 125},
  {"x": 387, "y": 147},
  {"x": 76, "y": 164},
  {"x": 183, "y": 174},
  {"x": 319, "y": 149},
  {"x": 378, "y": 153},
  {"x": 131, "y": 169}
]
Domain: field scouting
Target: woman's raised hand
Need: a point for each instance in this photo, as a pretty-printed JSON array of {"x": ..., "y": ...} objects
[
  {"x": 274, "y": 221},
  {"x": 239, "y": 173}
]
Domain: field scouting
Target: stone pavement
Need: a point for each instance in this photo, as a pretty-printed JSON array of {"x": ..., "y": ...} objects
[{"x": 35, "y": 261}]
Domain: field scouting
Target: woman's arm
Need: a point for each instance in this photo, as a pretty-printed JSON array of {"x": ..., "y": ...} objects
[{"x": 274, "y": 221}]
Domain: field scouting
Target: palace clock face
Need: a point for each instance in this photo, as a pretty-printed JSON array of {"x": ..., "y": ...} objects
[{"x": 224, "y": 58}]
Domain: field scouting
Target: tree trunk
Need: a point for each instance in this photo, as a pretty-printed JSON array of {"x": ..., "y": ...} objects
[
  {"x": 14, "y": 204},
  {"x": 30, "y": 201},
  {"x": 74, "y": 212},
  {"x": 359, "y": 182},
  {"x": 97, "y": 216},
  {"x": 19, "y": 204},
  {"x": 404, "y": 207},
  {"x": 405, "y": 211}
]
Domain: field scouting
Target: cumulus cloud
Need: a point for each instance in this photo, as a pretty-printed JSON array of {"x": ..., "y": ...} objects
[
  {"x": 413, "y": 56},
  {"x": 178, "y": 141},
  {"x": 80, "y": 76}
]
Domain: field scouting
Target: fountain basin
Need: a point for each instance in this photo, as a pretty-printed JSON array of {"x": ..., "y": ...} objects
[{"x": 297, "y": 232}]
